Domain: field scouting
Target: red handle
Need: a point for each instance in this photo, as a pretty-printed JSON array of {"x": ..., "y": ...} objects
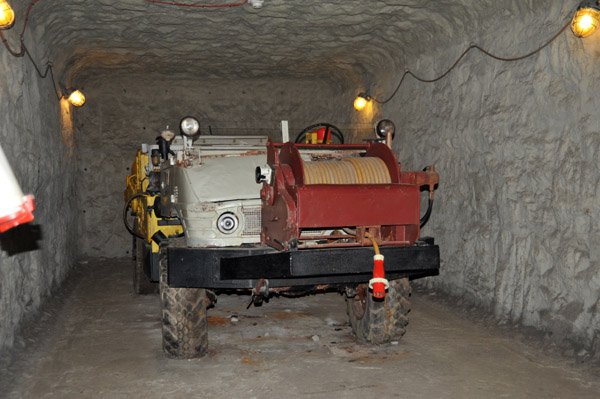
[{"x": 378, "y": 283}]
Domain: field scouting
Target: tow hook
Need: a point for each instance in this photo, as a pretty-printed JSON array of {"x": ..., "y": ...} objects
[
  {"x": 259, "y": 293},
  {"x": 379, "y": 284}
]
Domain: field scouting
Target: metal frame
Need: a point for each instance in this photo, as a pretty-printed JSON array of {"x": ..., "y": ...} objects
[{"x": 242, "y": 268}]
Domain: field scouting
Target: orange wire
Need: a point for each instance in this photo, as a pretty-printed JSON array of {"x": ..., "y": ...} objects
[
  {"x": 27, "y": 18},
  {"x": 375, "y": 246}
]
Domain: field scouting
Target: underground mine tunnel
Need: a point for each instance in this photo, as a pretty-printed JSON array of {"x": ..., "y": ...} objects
[{"x": 501, "y": 96}]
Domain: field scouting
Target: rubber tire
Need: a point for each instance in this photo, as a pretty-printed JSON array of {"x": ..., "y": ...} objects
[
  {"x": 383, "y": 321},
  {"x": 142, "y": 285},
  {"x": 184, "y": 323}
]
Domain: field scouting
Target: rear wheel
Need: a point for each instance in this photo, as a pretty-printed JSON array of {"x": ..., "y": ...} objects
[
  {"x": 184, "y": 324},
  {"x": 380, "y": 321},
  {"x": 142, "y": 285}
]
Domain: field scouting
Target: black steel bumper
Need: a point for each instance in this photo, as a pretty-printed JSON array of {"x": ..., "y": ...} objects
[{"x": 227, "y": 268}]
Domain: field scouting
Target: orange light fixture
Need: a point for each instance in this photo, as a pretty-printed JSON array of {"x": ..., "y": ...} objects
[
  {"x": 361, "y": 101},
  {"x": 586, "y": 19},
  {"x": 76, "y": 98},
  {"x": 7, "y": 15}
]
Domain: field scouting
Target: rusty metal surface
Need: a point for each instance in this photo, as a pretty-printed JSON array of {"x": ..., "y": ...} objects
[
  {"x": 356, "y": 205},
  {"x": 313, "y": 289},
  {"x": 429, "y": 177},
  {"x": 359, "y": 301},
  {"x": 313, "y": 147},
  {"x": 243, "y": 154},
  {"x": 350, "y": 244},
  {"x": 350, "y": 192}
]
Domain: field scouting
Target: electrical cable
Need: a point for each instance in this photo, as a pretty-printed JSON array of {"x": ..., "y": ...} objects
[
  {"x": 464, "y": 53},
  {"x": 37, "y": 69},
  {"x": 12, "y": 52},
  {"x": 171, "y": 3},
  {"x": 125, "y": 208},
  {"x": 27, "y": 17},
  {"x": 24, "y": 51},
  {"x": 374, "y": 242},
  {"x": 427, "y": 214}
]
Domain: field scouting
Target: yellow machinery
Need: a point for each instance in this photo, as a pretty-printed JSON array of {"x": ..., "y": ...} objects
[{"x": 140, "y": 197}]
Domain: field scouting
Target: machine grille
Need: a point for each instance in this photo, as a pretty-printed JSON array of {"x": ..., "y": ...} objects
[{"x": 251, "y": 221}]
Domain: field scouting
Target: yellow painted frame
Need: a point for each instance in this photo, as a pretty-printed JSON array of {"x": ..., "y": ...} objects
[{"x": 137, "y": 182}]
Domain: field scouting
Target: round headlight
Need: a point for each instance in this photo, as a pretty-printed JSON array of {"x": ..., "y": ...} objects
[
  {"x": 167, "y": 134},
  {"x": 189, "y": 126},
  {"x": 227, "y": 223},
  {"x": 384, "y": 127}
]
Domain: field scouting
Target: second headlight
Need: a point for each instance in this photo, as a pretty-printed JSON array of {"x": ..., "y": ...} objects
[
  {"x": 384, "y": 127},
  {"x": 189, "y": 126}
]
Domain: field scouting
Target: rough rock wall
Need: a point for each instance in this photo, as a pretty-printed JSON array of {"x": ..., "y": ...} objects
[
  {"x": 517, "y": 148},
  {"x": 36, "y": 137},
  {"x": 123, "y": 111}
]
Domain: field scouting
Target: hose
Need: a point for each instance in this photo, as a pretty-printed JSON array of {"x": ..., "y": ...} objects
[
  {"x": 375, "y": 246},
  {"x": 348, "y": 231},
  {"x": 127, "y": 205},
  {"x": 427, "y": 214}
]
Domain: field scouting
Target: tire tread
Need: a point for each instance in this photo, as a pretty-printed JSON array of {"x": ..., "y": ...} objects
[
  {"x": 383, "y": 321},
  {"x": 184, "y": 323}
]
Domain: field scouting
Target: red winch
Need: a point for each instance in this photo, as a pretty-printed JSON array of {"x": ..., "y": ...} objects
[
  {"x": 346, "y": 190},
  {"x": 319, "y": 196}
]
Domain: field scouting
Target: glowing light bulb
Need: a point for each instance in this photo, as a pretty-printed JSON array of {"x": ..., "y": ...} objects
[
  {"x": 77, "y": 98},
  {"x": 7, "y": 15},
  {"x": 360, "y": 102},
  {"x": 585, "y": 21}
]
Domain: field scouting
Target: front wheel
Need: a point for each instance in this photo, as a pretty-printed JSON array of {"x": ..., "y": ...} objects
[
  {"x": 184, "y": 324},
  {"x": 380, "y": 321}
]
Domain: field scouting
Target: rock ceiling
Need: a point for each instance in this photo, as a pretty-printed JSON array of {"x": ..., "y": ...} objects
[{"x": 285, "y": 38}]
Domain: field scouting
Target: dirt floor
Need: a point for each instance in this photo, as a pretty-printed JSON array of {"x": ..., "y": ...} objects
[{"x": 99, "y": 340}]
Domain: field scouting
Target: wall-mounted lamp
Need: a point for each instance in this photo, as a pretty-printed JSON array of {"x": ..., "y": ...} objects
[
  {"x": 7, "y": 15},
  {"x": 257, "y": 4},
  {"x": 76, "y": 98},
  {"x": 586, "y": 19},
  {"x": 361, "y": 101}
]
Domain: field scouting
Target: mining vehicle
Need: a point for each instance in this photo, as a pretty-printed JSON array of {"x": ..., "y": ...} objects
[{"x": 244, "y": 214}]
